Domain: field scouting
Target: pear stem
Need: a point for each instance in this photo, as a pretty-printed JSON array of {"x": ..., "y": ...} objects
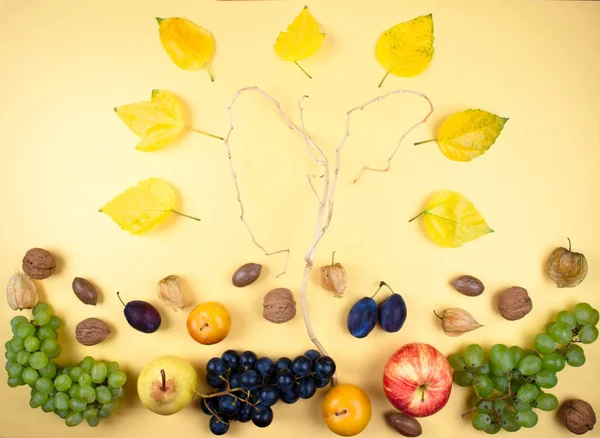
[
  {"x": 424, "y": 141},
  {"x": 384, "y": 78},
  {"x": 569, "y": 244},
  {"x": 186, "y": 215},
  {"x": 119, "y": 296},
  {"x": 417, "y": 216},
  {"x": 206, "y": 133},
  {"x": 333, "y": 257},
  {"x": 305, "y": 72},
  {"x": 163, "y": 375}
]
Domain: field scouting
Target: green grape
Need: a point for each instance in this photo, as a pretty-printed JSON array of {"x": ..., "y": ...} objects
[
  {"x": 22, "y": 357},
  {"x": 544, "y": 343},
  {"x": 549, "y": 327},
  {"x": 74, "y": 390},
  {"x": 111, "y": 367},
  {"x": 13, "y": 382},
  {"x": 500, "y": 383},
  {"x": 546, "y": 402},
  {"x": 484, "y": 368},
  {"x": 54, "y": 323},
  {"x": 104, "y": 414},
  {"x": 110, "y": 406},
  {"x": 38, "y": 360},
  {"x": 117, "y": 379},
  {"x": 502, "y": 358},
  {"x": 530, "y": 365},
  {"x": 73, "y": 419},
  {"x": 85, "y": 380},
  {"x": 30, "y": 376},
  {"x": 528, "y": 392},
  {"x": 584, "y": 313},
  {"x": 90, "y": 413},
  {"x": 14, "y": 369},
  {"x": 67, "y": 370},
  {"x": 87, "y": 394},
  {"x": 461, "y": 378},
  {"x": 47, "y": 333},
  {"x": 484, "y": 406},
  {"x": 62, "y": 382},
  {"x": 38, "y": 399},
  {"x": 474, "y": 355},
  {"x": 11, "y": 355},
  {"x": 94, "y": 421},
  {"x": 77, "y": 405},
  {"x": 457, "y": 362},
  {"x": 499, "y": 406},
  {"x": 508, "y": 421},
  {"x": 75, "y": 373},
  {"x": 87, "y": 363},
  {"x": 521, "y": 406},
  {"x": 517, "y": 353},
  {"x": 561, "y": 333},
  {"x": 49, "y": 371},
  {"x": 117, "y": 392},
  {"x": 481, "y": 421},
  {"x": 527, "y": 418},
  {"x": 51, "y": 348},
  {"x": 14, "y": 322},
  {"x": 588, "y": 334},
  {"x": 594, "y": 318},
  {"x": 575, "y": 355},
  {"x": 99, "y": 372},
  {"x": 24, "y": 330},
  {"x": 546, "y": 379},
  {"x": 17, "y": 344},
  {"x": 553, "y": 362},
  {"x": 493, "y": 429},
  {"x": 31, "y": 344},
  {"x": 61, "y": 401},
  {"x": 568, "y": 318},
  {"x": 48, "y": 406},
  {"x": 39, "y": 307},
  {"x": 103, "y": 394},
  {"x": 63, "y": 413},
  {"x": 44, "y": 385},
  {"x": 42, "y": 317},
  {"x": 495, "y": 371},
  {"x": 484, "y": 386}
]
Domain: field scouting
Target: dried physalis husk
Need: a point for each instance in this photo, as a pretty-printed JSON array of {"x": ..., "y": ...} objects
[
  {"x": 333, "y": 278},
  {"x": 456, "y": 321},
  {"x": 169, "y": 291},
  {"x": 21, "y": 293},
  {"x": 567, "y": 268}
]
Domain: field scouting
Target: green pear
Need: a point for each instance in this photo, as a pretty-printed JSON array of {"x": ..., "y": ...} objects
[{"x": 167, "y": 385}]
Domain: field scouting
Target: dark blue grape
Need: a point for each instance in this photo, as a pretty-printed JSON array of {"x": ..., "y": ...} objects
[
  {"x": 283, "y": 363},
  {"x": 265, "y": 366},
  {"x": 247, "y": 359},
  {"x": 216, "y": 367},
  {"x": 235, "y": 380},
  {"x": 302, "y": 366},
  {"x": 289, "y": 396},
  {"x": 321, "y": 382},
  {"x": 262, "y": 417},
  {"x": 306, "y": 388},
  {"x": 215, "y": 381},
  {"x": 229, "y": 405},
  {"x": 208, "y": 404},
  {"x": 250, "y": 380},
  {"x": 392, "y": 313},
  {"x": 312, "y": 355},
  {"x": 285, "y": 379},
  {"x": 231, "y": 359},
  {"x": 271, "y": 380},
  {"x": 269, "y": 395},
  {"x": 218, "y": 426},
  {"x": 362, "y": 317},
  {"x": 325, "y": 366},
  {"x": 245, "y": 413},
  {"x": 254, "y": 396}
]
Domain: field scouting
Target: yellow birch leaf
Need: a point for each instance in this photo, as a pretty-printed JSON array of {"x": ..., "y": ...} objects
[
  {"x": 451, "y": 220},
  {"x": 468, "y": 134},
  {"x": 301, "y": 40},
  {"x": 144, "y": 207},
  {"x": 407, "y": 48},
  {"x": 190, "y": 46}
]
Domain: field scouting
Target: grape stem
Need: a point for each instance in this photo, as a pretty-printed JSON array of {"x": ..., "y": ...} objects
[
  {"x": 464, "y": 414},
  {"x": 217, "y": 394}
]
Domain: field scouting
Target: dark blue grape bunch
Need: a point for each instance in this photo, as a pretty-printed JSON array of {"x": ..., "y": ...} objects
[{"x": 247, "y": 387}]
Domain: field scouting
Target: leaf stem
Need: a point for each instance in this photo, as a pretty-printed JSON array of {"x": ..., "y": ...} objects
[
  {"x": 425, "y": 141},
  {"x": 305, "y": 72},
  {"x": 420, "y": 214},
  {"x": 212, "y": 79},
  {"x": 205, "y": 133},
  {"x": 384, "y": 78},
  {"x": 186, "y": 215}
]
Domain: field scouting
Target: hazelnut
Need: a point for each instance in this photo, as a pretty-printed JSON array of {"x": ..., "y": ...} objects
[
  {"x": 514, "y": 303},
  {"x": 38, "y": 263},
  {"x": 578, "y": 416},
  {"x": 279, "y": 306}
]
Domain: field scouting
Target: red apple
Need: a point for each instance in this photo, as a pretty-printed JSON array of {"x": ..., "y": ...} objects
[{"x": 417, "y": 380}]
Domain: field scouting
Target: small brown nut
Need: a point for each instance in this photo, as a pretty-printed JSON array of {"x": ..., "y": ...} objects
[
  {"x": 578, "y": 416},
  {"x": 91, "y": 331},
  {"x": 514, "y": 303},
  {"x": 246, "y": 274},
  {"x": 468, "y": 285},
  {"x": 404, "y": 424},
  {"x": 85, "y": 291},
  {"x": 279, "y": 305},
  {"x": 38, "y": 263}
]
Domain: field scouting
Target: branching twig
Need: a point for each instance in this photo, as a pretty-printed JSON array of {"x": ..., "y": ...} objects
[{"x": 379, "y": 99}]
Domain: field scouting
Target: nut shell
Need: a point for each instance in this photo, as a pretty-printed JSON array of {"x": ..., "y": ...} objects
[
  {"x": 514, "y": 303},
  {"x": 404, "y": 424},
  {"x": 246, "y": 274},
  {"x": 578, "y": 416},
  {"x": 91, "y": 331},
  {"x": 279, "y": 306},
  {"x": 85, "y": 291},
  {"x": 566, "y": 268},
  {"x": 38, "y": 263},
  {"x": 468, "y": 285}
]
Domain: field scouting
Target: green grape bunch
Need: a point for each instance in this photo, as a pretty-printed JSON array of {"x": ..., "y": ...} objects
[
  {"x": 88, "y": 391},
  {"x": 509, "y": 385}
]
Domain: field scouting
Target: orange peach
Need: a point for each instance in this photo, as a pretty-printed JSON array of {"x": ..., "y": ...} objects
[
  {"x": 209, "y": 323},
  {"x": 346, "y": 409}
]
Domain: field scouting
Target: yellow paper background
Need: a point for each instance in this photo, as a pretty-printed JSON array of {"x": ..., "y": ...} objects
[{"x": 65, "y": 64}]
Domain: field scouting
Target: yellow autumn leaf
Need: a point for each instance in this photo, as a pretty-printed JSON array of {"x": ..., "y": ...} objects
[
  {"x": 144, "y": 207},
  {"x": 407, "y": 48},
  {"x": 451, "y": 220},
  {"x": 190, "y": 46},
  {"x": 301, "y": 40},
  {"x": 468, "y": 134}
]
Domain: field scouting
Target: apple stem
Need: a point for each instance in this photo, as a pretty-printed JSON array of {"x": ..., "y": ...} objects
[
  {"x": 163, "y": 375},
  {"x": 569, "y": 244},
  {"x": 119, "y": 296},
  {"x": 333, "y": 256},
  {"x": 422, "y": 393}
]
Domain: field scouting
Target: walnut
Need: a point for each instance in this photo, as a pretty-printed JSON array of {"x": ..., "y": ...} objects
[
  {"x": 38, "y": 263},
  {"x": 514, "y": 303},
  {"x": 91, "y": 331},
  {"x": 279, "y": 306},
  {"x": 578, "y": 416}
]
